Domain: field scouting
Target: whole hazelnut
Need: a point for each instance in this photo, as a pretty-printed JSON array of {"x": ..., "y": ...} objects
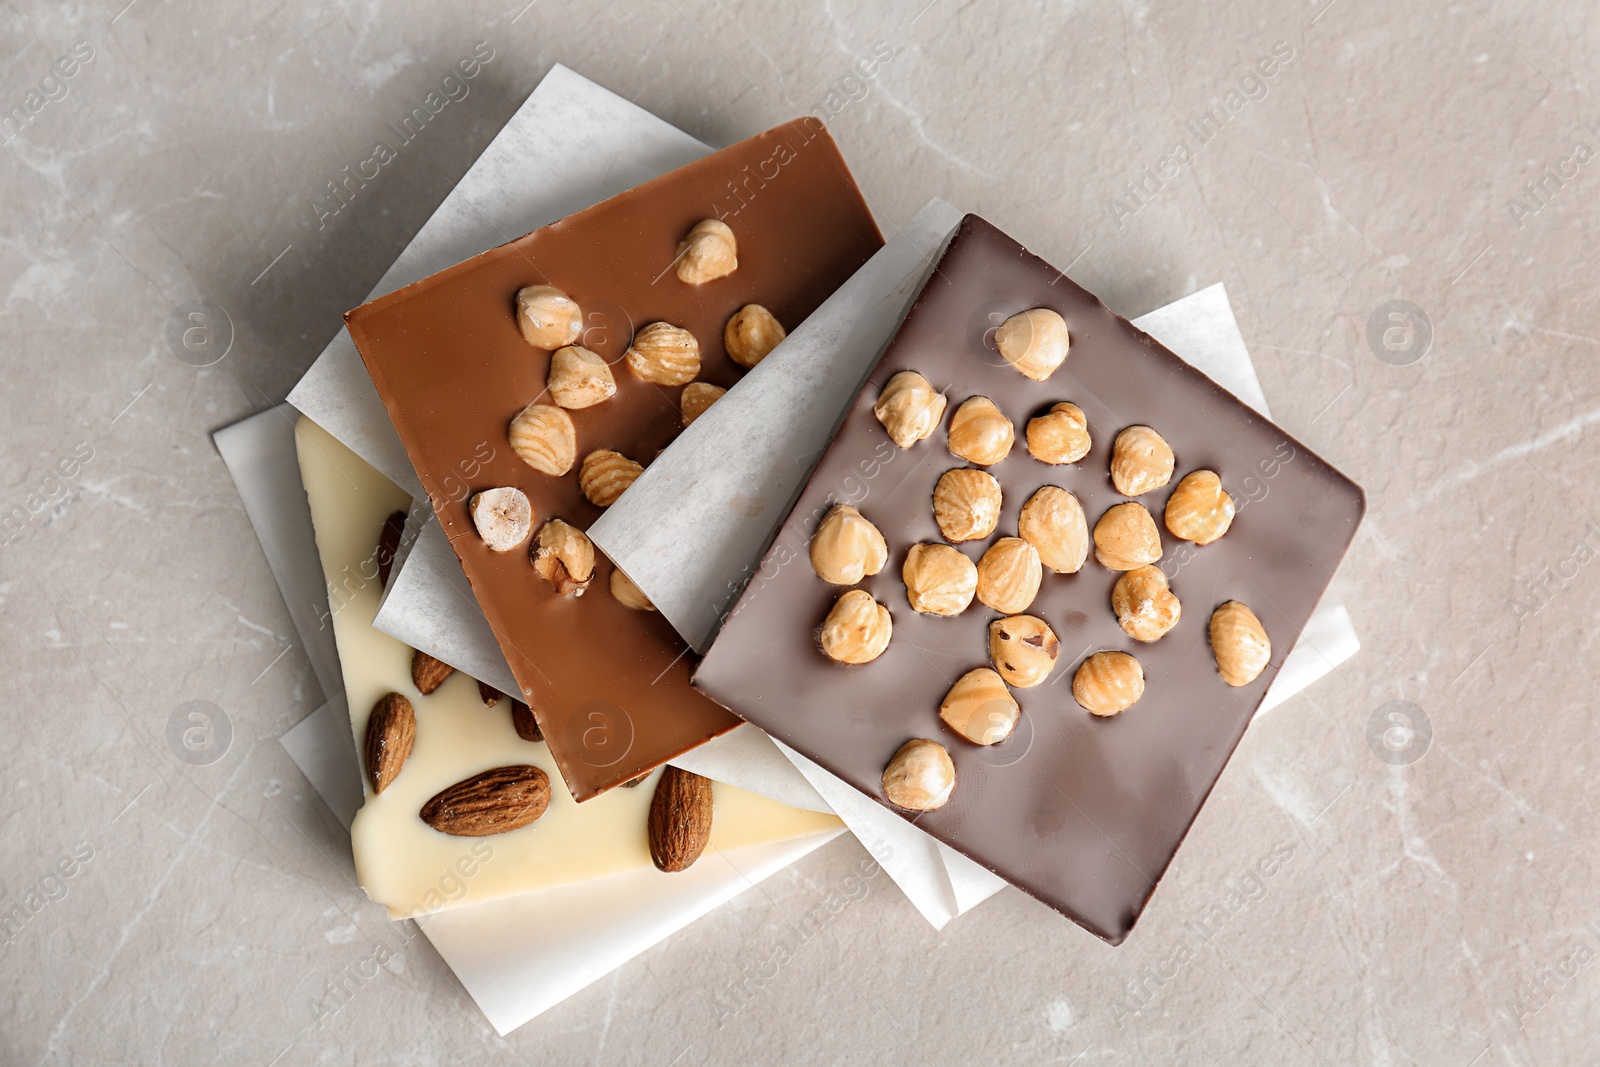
[
  {"x": 750, "y": 334},
  {"x": 503, "y": 517},
  {"x": 564, "y": 556},
  {"x": 1009, "y": 575},
  {"x": 1126, "y": 537},
  {"x": 847, "y": 547},
  {"x": 543, "y": 437},
  {"x": 547, "y": 317},
  {"x": 1146, "y": 608},
  {"x": 1239, "y": 642},
  {"x": 664, "y": 354},
  {"x": 1108, "y": 682},
  {"x": 857, "y": 629},
  {"x": 1060, "y": 435},
  {"x": 980, "y": 708},
  {"x": 909, "y": 408},
  {"x": 1052, "y": 521},
  {"x": 1023, "y": 649},
  {"x": 966, "y": 504},
  {"x": 940, "y": 580},
  {"x": 979, "y": 433},
  {"x": 605, "y": 475},
  {"x": 709, "y": 252},
  {"x": 627, "y": 594},
  {"x": 920, "y": 777},
  {"x": 696, "y": 397},
  {"x": 1035, "y": 342},
  {"x": 579, "y": 378},
  {"x": 1141, "y": 460},
  {"x": 1199, "y": 510}
]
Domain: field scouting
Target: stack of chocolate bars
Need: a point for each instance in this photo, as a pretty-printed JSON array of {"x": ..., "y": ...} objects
[{"x": 751, "y": 519}]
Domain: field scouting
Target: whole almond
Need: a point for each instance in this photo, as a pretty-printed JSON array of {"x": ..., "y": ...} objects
[
  {"x": 428, "y": 673},
  {"x": 680, "y": 819},
  {"x": 524, "y": 723},
  {"x": 391, "y": 729},
  {"x": 490, "y": 803}
]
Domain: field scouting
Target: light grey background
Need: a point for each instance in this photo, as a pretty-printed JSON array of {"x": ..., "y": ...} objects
[{"x": 1433, "y": 910}]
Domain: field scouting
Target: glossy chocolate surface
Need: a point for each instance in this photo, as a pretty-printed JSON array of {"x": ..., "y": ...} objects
[
  {"x": 610, "y": 686},
  {"x": 1081, "y": 812}
]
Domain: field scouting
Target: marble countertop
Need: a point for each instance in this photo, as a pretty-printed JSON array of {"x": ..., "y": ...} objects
[{"x": 1396, "y": 867}]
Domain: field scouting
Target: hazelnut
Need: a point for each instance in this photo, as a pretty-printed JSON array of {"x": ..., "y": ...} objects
[
  {"x": 979, "y": 433},
  {"x": 980, "y": 708},
  {"x": 909, "y": 408},
  {"x": 547, "y": 317},
  {"x": 664, "y": 354},
  {"x": 1052, "y": 521},
  {"x": 627, "y": 594},
  {"x": 1060, "y": 435},
  {"x": 751, "y": 334},
  {"x": 1035, "y": 342},
  {"x": 1108, "y": 683},
  {"x": 696, "y": 397},
  {"x": 605, "y": 474},
  {"x": 1239, "y": 643},
  {"x": 857, "y": 629},
  {"x": 543, "y": 437},
  {"x": 709, "y": 252},
  {"x": 1141, "y": 460},
  {"x": 940, "y": 580},
  {"x": 579, "y": 378},
  {"x": 564, "y": 557},
  {"x": 1023, "y": 649},
  {"x": 847, "y": 548},
  {"x": 1126, "y": 537},
  {"x": 503, "y": 517},
  {"x": 1145, "y": 607},
  {"x": 920, "y": 777},
  {"x": 1008, "y": 575},
  {"x": 1199, "y": 510},
  {"x": 966, "y": 504}
]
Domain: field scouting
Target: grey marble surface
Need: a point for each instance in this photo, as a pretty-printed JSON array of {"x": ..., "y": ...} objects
[{"x": 1431, "y": 896}]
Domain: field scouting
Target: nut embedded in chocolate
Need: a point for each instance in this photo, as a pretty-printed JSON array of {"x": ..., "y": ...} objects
[
  {"x": 940, "y": 580},
  {"x": 1145, "y": 607},
  {"x": 664, "y": 354},
  {"x": 489, "y": 694},
  {"x": 391, "y": 729},
  {"x": 1126, "y": 537},
  {"x": 1199, "y": 510},
  {"x": 1108, "y": 683},
  {"x": 680, "y": 819},
  {"x": 1060, "y": 435},
  {"x": 579, "y": 378},
  {"x": 564, "y": 557},
  {"x": 543, "y": 437},
  {"x": 980, "y": 433},
  {"x": 696, "y": 397},
  {"x": 920, "y": 777},
  {"x": 626, "y": 593},
  {"x": 1141, "y": 460},
  {"x": 547, "y": 317},
  {"x": 523, "y": 722},
  {"x": 606, "y": 475},
  {"x": 1052, "y": 521},
  {"x": 503, "y": 517},
  {"x": 980, "y": 708},
  {"x": 847, "y": 547},
  {"x": 1239, "y": 642},
  {"x": 493, "y": 802},
  {"x": 966, "y": 504},
  {"x": 1023, "y": 649},
  {"x": 857, "y": 629},
  {"x": 709, "y": 252},
  {"x": 909, "y": 408},
  {"x": 751, "y": 334},
  {"x": 427, "y": 673},
  {"x": 1035, "y": 342},
  {"x": 1008, "y": 575}
]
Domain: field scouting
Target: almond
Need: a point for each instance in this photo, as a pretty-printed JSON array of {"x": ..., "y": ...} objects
[
  {"x": 524, "y": 723},
  {"x": 489, "y": 694},
  {"x": 490, "y": 803},
  {"x": 428, "y": 673},
  {"x": 394, "y": 527},
  {"x": 391, "y": 728},
  {"x": 680, "y": 819}
]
